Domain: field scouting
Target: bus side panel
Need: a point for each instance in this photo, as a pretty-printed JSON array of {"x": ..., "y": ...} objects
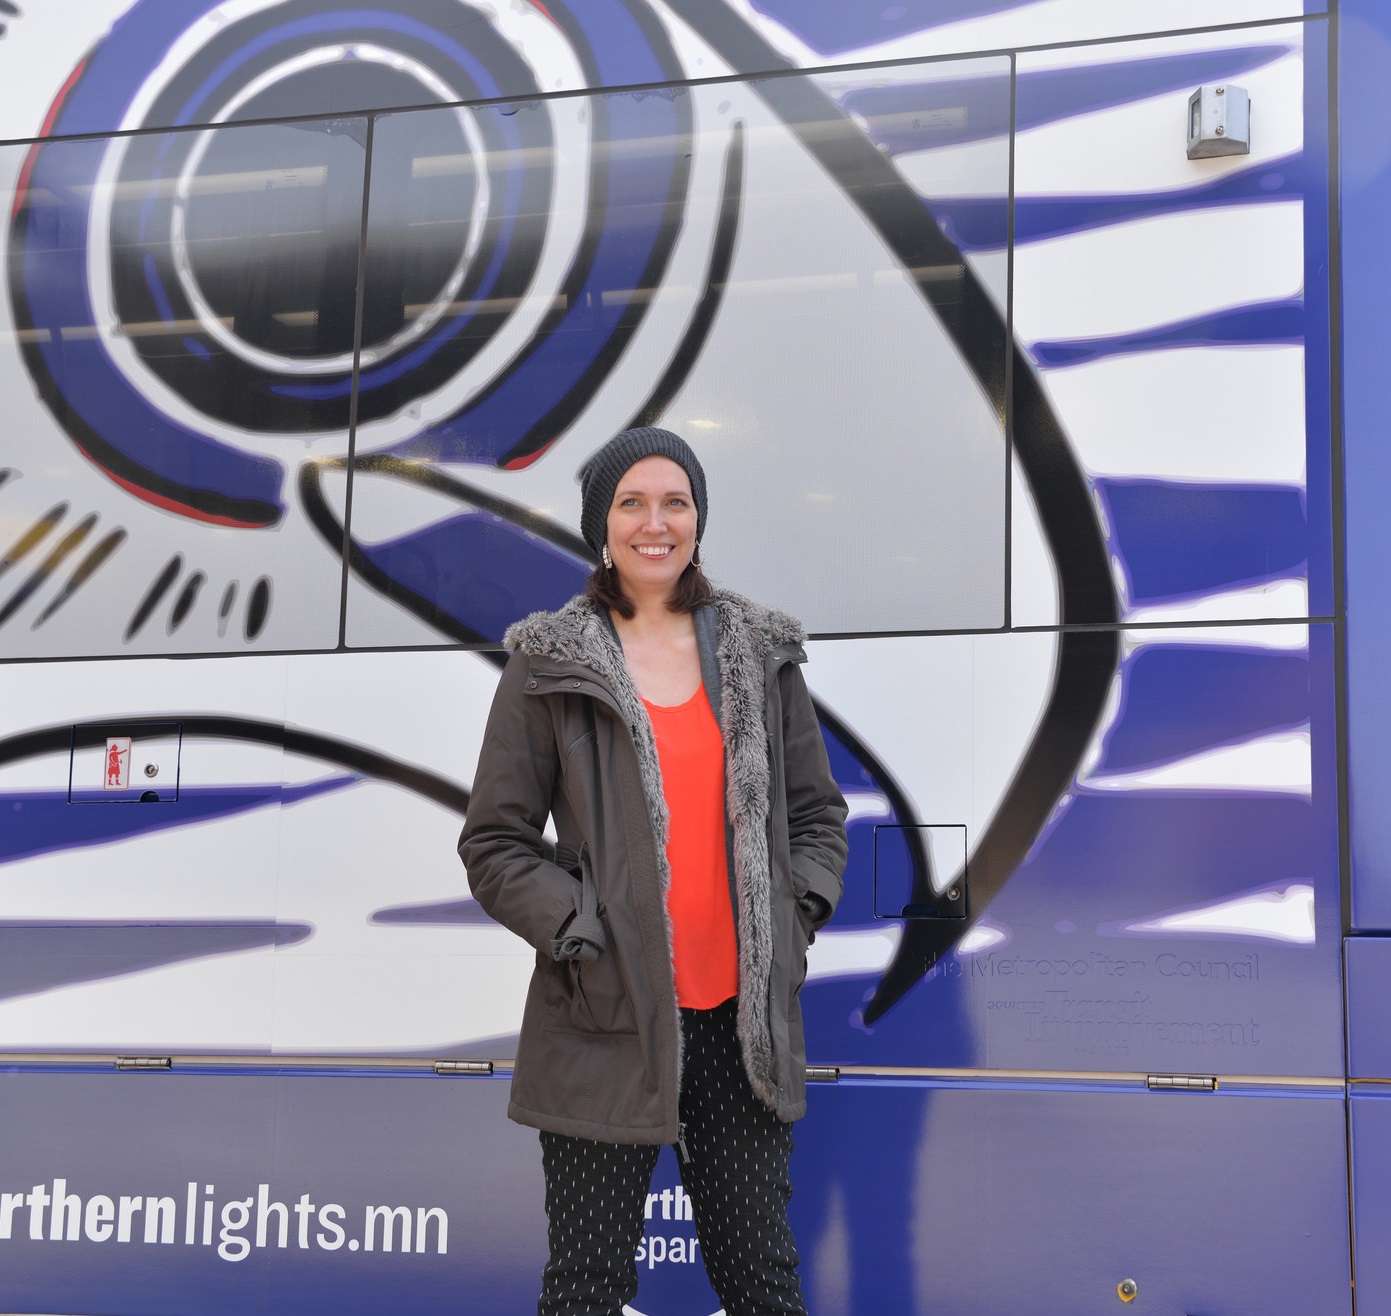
[
  {"x": 1052, "y": 1196},
  {"x": 1178, "y": 912},
  {"x": 264, "y": 1192},
  {"x": 1365, "y": 200},
  {"x": 1370, "y": 1128},
  {"x": 1364, "y": 196}
]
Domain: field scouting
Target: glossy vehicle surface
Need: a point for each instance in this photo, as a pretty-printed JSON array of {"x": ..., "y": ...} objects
[{"x": 1067, "y": 449}]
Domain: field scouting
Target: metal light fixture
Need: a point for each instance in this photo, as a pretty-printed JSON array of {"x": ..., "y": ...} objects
[{"x": 1219, "y": 121}]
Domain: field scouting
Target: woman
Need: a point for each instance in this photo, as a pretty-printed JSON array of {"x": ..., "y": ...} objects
[{"x": 665, "y": 729}]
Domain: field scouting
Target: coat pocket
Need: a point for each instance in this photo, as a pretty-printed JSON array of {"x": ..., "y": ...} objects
[{"x": 587, "y": 996}]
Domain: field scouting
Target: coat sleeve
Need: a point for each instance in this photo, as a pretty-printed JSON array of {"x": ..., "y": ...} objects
[
  {"x": 502, "y": 843},
  {"x": 815, "y": 807}
]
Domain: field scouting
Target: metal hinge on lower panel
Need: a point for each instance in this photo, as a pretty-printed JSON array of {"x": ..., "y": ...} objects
[
  {"x": 823, "y": 1074},
  {"x": 144, "y": 1062},
  {"x": 1181, "y": 1082},
  {"x": 450, "y": 1067}
]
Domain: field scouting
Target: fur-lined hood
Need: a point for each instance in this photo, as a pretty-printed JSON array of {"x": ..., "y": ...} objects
[{"x": 577, "y": 631}]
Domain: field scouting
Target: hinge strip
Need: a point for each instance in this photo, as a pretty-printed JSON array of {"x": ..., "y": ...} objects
[
  {"x": 1181, "y": 1082},
  {"x": 448, "y": 1068}
]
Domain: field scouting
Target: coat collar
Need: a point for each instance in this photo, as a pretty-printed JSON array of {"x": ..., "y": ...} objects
[{"x": 580, "y": 633}]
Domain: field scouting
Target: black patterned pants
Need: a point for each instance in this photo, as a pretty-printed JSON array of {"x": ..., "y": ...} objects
[{"x": 735, "y": 1170}]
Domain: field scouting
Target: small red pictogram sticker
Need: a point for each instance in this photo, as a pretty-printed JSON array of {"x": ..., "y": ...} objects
[{"x": 117, "y": 775}]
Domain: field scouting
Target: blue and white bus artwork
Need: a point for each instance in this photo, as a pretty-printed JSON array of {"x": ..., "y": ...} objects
[{"x": 1055, "y": 413}]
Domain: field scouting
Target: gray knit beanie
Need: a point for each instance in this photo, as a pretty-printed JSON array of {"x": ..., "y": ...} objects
[{"x": 600, "y": 474}]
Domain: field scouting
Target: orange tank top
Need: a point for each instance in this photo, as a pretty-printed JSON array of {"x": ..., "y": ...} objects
[{"x": 704, "y": 949}]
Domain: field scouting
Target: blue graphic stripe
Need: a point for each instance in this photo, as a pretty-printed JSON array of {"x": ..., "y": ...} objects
[
  {"x": 1267, "y": 325},
  {"x": 444, "y": 913},
  {"x": 1179, "y": 700},
  {"x": 1144, "y": 851},
  {"x": 981, "y": 223},
  {"x": 1047, "y": 217},
  {"x": 44, "y": 822},
  {"x": 37, "y": 957},
  {"x": 480, "y": 571},
  {"x": 1181, "y": 540}
]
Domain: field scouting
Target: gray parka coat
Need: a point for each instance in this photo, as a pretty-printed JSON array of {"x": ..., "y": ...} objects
[{"x": 568, "y": 738}]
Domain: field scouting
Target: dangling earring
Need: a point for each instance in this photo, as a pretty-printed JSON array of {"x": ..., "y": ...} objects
[
  {"x": 695, "y": 557},
  {"x": 608, "y": 560}
]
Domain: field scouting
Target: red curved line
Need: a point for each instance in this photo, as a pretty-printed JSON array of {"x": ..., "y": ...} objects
[
  {"x": 22, "y": 189},
  {"x": 527, "y": 458},
  {"x": 174, "y": 505}
]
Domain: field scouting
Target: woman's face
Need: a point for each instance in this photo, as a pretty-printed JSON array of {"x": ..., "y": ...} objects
[{"x": 652, "y": 527}]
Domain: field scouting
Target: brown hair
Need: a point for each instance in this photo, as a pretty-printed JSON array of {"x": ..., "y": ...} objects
[{"x": 693, "y": 590}]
